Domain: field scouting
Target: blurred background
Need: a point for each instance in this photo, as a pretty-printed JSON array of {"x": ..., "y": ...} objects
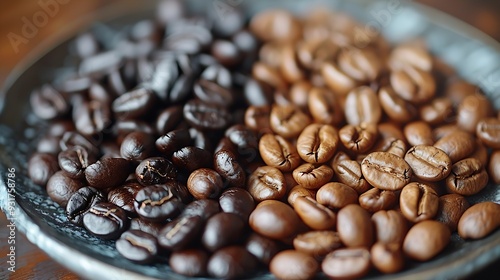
[{"x": 34, "y": 264}]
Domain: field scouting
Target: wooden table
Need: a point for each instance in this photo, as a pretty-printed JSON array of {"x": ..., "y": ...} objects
[{"x": 33, "y": 263}]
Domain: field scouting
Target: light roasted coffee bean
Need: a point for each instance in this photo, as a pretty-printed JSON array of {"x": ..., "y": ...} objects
[
  {"x": 315, "y": 215},
  {"x": 349, "y": 263},
  {"x": 298, "y": 191},
  {"x": 278, "y": 152},
  {"x": 418, "y": 202},
  {"x": 451, "y": 208},
  {"x": 387, "y": 257},
  {"x": 317, "y": 243},
  {"x": 438, "y": 111},
  {"x": 348, "y": 172},
  {"x": 386, "y": 171},
  {"x": 266, "y": 182},
  {"x": 317, "y": 143},
  {"x": 325, "y": 106},
  {"x": 398, "y": 109},
  {"x": 376, "y": 199},
  {"x": 359, "y": 138},
  {"x": 288, "y": 120},
  {"x": 472, "y": 109},
  {"x": 479, "y": 220},
  {"x": 488, "y": 131},
  {"x": 274, "y": 219},
  {"x": 457, "y": 144},
  {"x": 425, "y": 240},
  {"x": 292, "y": 264},
  {"x": 418, "y": 133},
  {"x": 494, "y": 166},
  {"x": 413, "y": 84},
  {"x": 336, "y": 195},
  {"x": 312, "y": 176},
  {"x": 368, "y": 109},
  {"x": 355, "y": 227},
  {"x": 428, "y": 162},
  {"x": 467, "y": 177},
  {"x": 390, "y": 226}
]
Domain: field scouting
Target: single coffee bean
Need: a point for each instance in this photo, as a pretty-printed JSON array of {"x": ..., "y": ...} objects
[
  {"x": 146, "y": 226},
  {"x": 368, "y": 109},
  {"x": 317, "y": 143},
  {"x": 479, "y": 220},
  {"x": 227, "y": 165},
  {"x": 355, "y": 227},
  {"x": 336, "y": 195},
  {"x": 413, "y": 84},
  {"x": 124, "y": 195},
  {"x": 108, "y": 173},
  {"x": 376, "y": 199},
  {"x": 488, "y": 131},
  {"x": 338, "y": 81},
  {"x": 386, "y": 171},
  {"x": 274, "y": 219},
  {"x": 173, "y": 141},
  {"x": 189, "y": 262},
  {"x": 349, "y": 263},
  {"x": 324, "y": 107},
  {"x": 451, "y": 208},
  {"x": 425, "y": 240},
  {"x": 288, "y": 121},
  {"x": 41, "y": 166},
  {"x": 73, "y": 138},
  {"x": 387, "y": 257},
  {"x": 179, "y": 233},
  {"x": 473, "y": 109},
  {"x": 438, "y": 111},
  {"x": 122, "y": 128},
  {"x": 299, "y": 94},
  {"x": 157, "y": 203},
  {"x": 48, "y": 103},
  {"x": 358, "y": 138},
  {"x": 232, "y": 262},
  {"x": 390, "y": 226},
  {"x": 168, "y": 119},
  {"x": 410, "y": 54},
  {"x": 106, "y": 220},
  {"x": 222, "y": 229},
  {"x": 494, "y": 166},
  {"x": 418, "y": 133},
  {"x": 312, "y": 176},
  {"x": 428, "y": 162},
  {"x": 457, "y": 144},
  {"x": 315, "y": 215},
  {"x": 74, "y": 161},
  {"x": 418, "y": 202},
  {"x": 467, "y": 177},
  {"x": 348, "y": 172},
  {"x": 137, "y": 146},
  {"x": 155, "y": 170},
  {"x": 205, "y": 183},
  {"x": 290, "y": 66},
  {"x": 245, "y": 140},
  {"x": 204, "y": 208},
  {"x": 398, "y": 109},
  {"x": 293, "y": 264},
  {"x": 257, "y": 93},
  {"x": 237, "y": 201},
  {"x": 134, "y": 104},
  {"x": 258, "y": 117},
  {"x": 263, "y": 248},
  {"x": 266, "y": 182},
  {"x": 137, "y": 246},
  {"x": 278, "y": 152},
  {"x": 80, "y": 202},
  {"x": 206, "y": 116},
  {"x": 191, "y": 158},
  {"x": 60, "y": 187},
  {"x": 317, "y": 243}
]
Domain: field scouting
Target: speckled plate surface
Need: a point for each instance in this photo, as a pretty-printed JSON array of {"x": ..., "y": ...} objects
[{"x": 473, "y": 54}]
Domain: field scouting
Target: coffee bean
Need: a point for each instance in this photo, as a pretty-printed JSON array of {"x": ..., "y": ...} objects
[
  {"x": 358, "y": 138},
  {"x": 312, "y": 176},
  {"x": 278, "y": 152},
  {"x": 155, "y": 170},
  {"x": 189, "y": 262},
  {"x": 467, "y": 177},
  {"x": 275, "y": 25},
  {"x": 204, "y": 208},
  {"x": 317, "y": 143},
  {"x": 299, "y": 94},
  {"x": 108, "y": 173},
  {"x": 257, "y": 94},
  {"x": 60, "y": 187},
  {"x": 290, "y": 66},
  {"x": 73, "y": 138},
  {"x": 274, "y": 219},
  {"x": 212, "y": 93},
  {"x": 349, "y": 263},
  {"x": 488, "y": 131},
  {"x": 298, "y": 191},
  {"x": 74, "y": 161},
  {"x": 288, "y": 121},
  {"x": 47, "y": 103},
  {"x": 122, "y": 128},
  {"x": 124, "y": 195},
  {"x": 315, "y": 215},
  {"x": 494, "y": 167},
  {"x": 146, "y": 226},
  {"x": 265, "y": 183},
  {"x": 92, "y": 118},
  {"x": 134, "y": 104},
  {"x": 206, "y": 116},
  {"x": 386, "y": 171},
  {"x": 338, "y": 81},
  {"x": 317, "y": 243},
  {"x": 387, "y": 258},
  {"x": 237, "y": 201},
  {"x": 106, "y": 220},
  {"x": 348, "y": 172},
  {"x": 168, "y": 119},
  {"x": 390, "y": 226},
  {"x": 191, "y": 158},
  {"x": 425, "y": 240},
  {"x": 471, "y": 110},
  {"x": 457, "y": 145},
  {"x": 368, "y": 109},
  {"x": 226, "y": 164},
  {"x": 222, "y": 229},
  {"x": 418, "y": 202},
  {"x": 80, "y": 202},
  {"x": 376, "y": 199},
  {"x": 325, "y": 107},
  {"x": 336, "y": 195},
  {"x": 262, "y": 248},
  {"x": 397, "y": 108},
  {"x": 479, "y": 220},
  {"x": 226, "y": 53},
  {"x": 258, "y": 118},
  {"x": 137, "y": 246},
  {"x": 205, "y": 183},
  {"x": 451, "y": 208},
  {"x": 428, "y": 162},
  {"x": 413, "y": 84},
  {"x": 41, "y": 166},
  {"x": 179, "y": 233},
  {"x": 157, "y": 203},
  {"x": 232, "y": 262},
  {"x": 438, "y": 111},
  {"x": 354, "y": 226},
  {"x": 173, "y": 141},
  {"x": 292, "y": 264},
  {"x": 137, "y": 146}
]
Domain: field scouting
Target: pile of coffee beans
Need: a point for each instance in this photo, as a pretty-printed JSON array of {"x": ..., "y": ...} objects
[{"x": 281, "y": 142}]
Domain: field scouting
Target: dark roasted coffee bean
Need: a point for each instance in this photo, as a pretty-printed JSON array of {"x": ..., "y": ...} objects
[
  {"x": 278, "y": 152},
  {"x": 258, "y": 93},
  {"x": 258, "y": 118},
  {"x": 124, "y": 195},
  {"x": 146, "y": 226},
  {"x": 376, "y": 199},
  {"x": 157, "y": 203},
  {"x": 212, "y": 93},
  {"x": 75, "y": 83},
  {"x": 221, "y": 230},
  {"x": 191, "y": 158},
  {"x": 180, "y": 232},
  {"x": 155, "y": 170},
  {"x": 348, "y": 172},
  {"x": 99, "y": 93},
  {"x": 317, "y": 143},
  {"x": 245, "y": 140},
  {"x": 312, "y": 176},
  {"x": 218, "y": 74},
  {"x": 386, "y": 171},
  {"x": 134, "y": 104},
  {"x": 355, "y": 227},
  {"x": 204, "y": 208},
  {"x": 418, "y": 202},
  {"x": 237, "y": 201},
  {"x": 100, "y": 63},
  {"x": 226, "y": 52},
  {"x": 106, "y": 220},
  {"x": 205, "y": 183},
  {"x": 168, "y": 119},
  {"x": 137, "y": 246},
  {"x": 358, "y": 138},
  {"x": 314, "y": 215},
  {"x": 86, "y": 44},
  {"x": 317, "y": 243},
  {"x": 457, "y": 144},
  {"x": 74, "y": 161},
  {"x": 80, "y": 202},
  {"x": 324, "y": 106},
  {"x": 479, "y": 220},
  {"x": 390, "y": 226},
  {"x": 72, "y": 138},
  {"x": 189, "y": 262},
  {"x": 108, "y": 173},
  {"x": 349, "y": 263},
  {"x": 49, "y": 145},
  {"x": 293, "y": 264},
  {"x": 137, "y": 146},
  {"x": 47, "y": 103},
  {"x": 288, "y": 121},
  {"x": 60, "y": 187},
  {"x": 173, "y": 141},
  {"x": 467, "y": 177},
  {"x": 41, "y": 166},
  {"x": 201, "y": 139},
  {"x": 387, "y": 258},
  {"x": 263, "y": 248},
  {"x": 425, "y": 240},
  {"x": 266, "y": 182},
  {"x": 451, "y": 208},
  {"x": 92, "y": 118},
  {"x": 232, "y": 262},
  {"x": 336, "y": 195},
  {"x": 206, "y": 116},
  {"x": 428, "y": 163},
  {"x": 488, "y": 131},
  {"x": 274, "y": 219},
  {"x": 226, "y": 164},
  {"x": 122, "y": 128}
]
